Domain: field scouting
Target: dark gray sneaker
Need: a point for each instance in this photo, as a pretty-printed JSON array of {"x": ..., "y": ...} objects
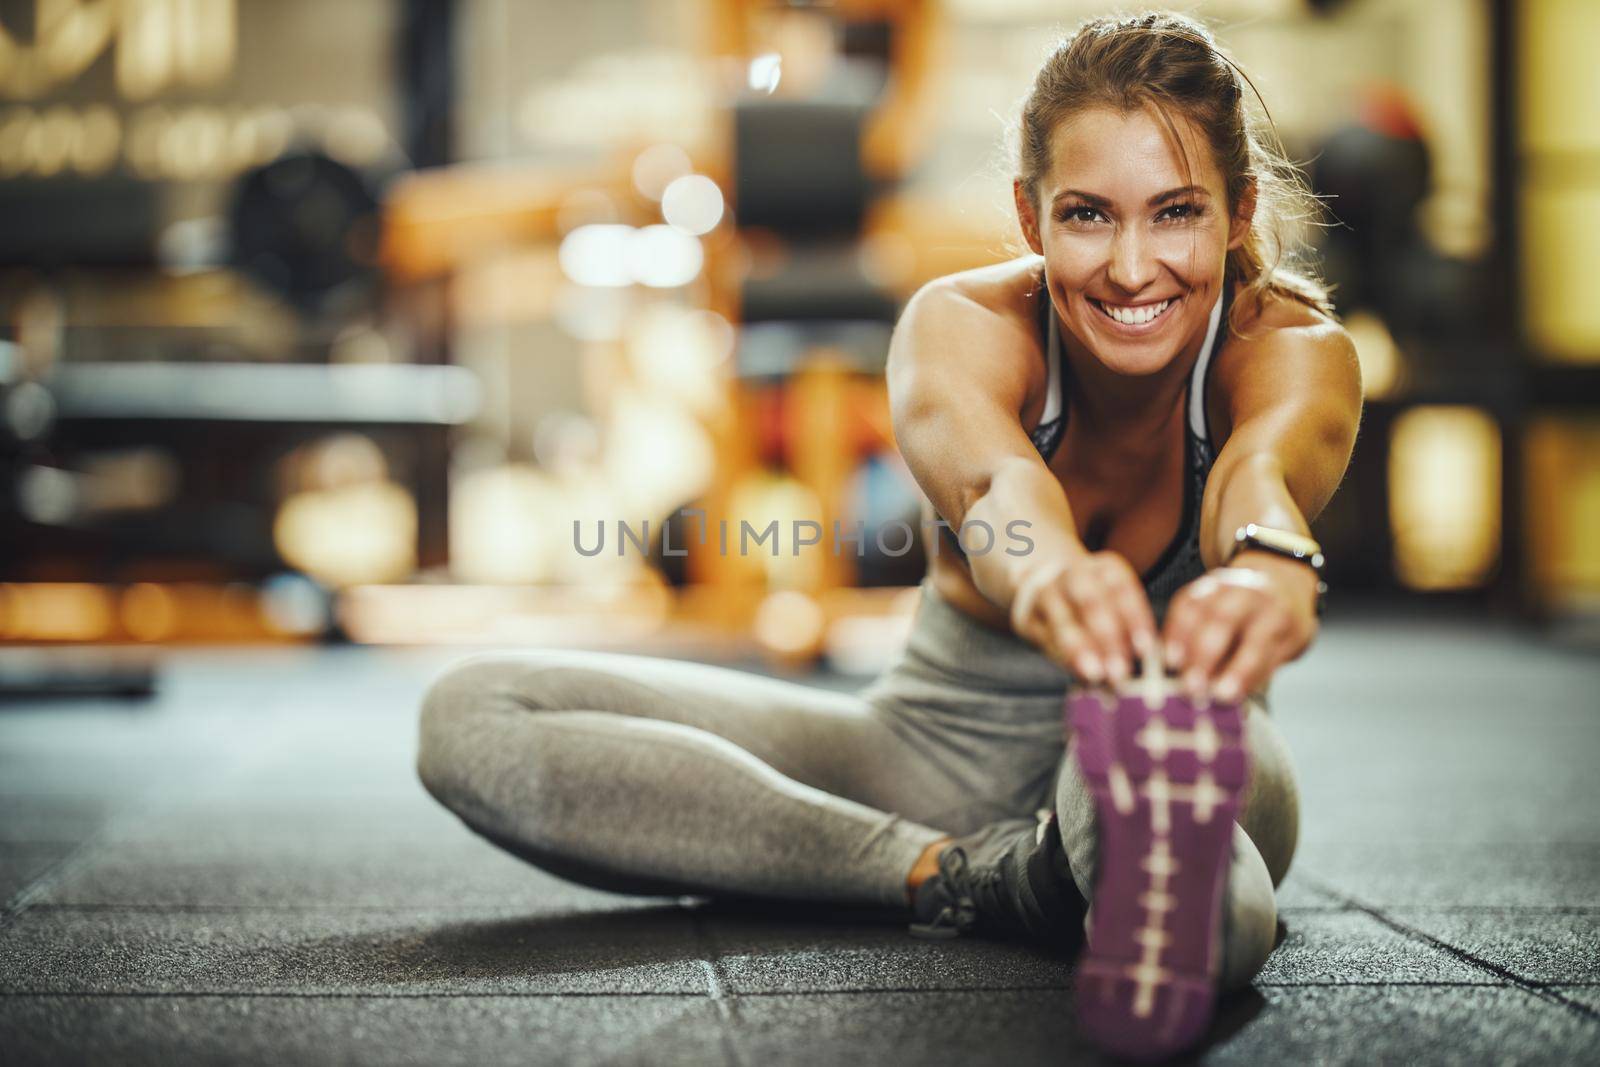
[{"x": 1010, "y": 877}]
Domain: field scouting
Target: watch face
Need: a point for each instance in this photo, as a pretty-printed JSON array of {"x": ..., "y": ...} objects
[{"x": 1283, "y": 540}]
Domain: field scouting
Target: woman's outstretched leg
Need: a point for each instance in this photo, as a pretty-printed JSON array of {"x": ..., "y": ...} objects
[{"x": 652, "y": 776}]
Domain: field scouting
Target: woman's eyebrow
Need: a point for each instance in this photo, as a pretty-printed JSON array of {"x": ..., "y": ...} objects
[{"x": 1159, "y": 198}]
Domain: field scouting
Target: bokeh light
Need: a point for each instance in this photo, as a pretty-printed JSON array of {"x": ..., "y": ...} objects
[
  {"x": 664, "y": 258},
  {"x": 693, "y": 204},
  {"x": 657, "y": 167},
  {"x": 766, "y": 71},
  {"x": 598, "y": 255},
  {"x": 1444, "y": 497}
]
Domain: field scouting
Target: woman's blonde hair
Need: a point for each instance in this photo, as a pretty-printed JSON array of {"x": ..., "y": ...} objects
[{"x": 1172, "y": 62}]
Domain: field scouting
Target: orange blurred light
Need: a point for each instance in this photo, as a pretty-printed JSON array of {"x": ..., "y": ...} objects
[
  {"x": 349, "y": 534},
  {"x": 790, "y": 624},
  {"x": 149, "y": 612},
  {"x": 1444, "y": 497},
  {"x": 55, "y": 611}
]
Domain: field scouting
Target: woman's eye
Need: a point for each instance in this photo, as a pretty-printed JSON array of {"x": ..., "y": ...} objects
[{"x": 1174, "y": 213}]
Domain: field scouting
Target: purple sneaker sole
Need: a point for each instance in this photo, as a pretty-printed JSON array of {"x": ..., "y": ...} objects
[{"x": 1167, "y": 783}]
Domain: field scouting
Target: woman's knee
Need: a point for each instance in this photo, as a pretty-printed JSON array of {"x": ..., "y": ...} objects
[
  {"x": 459, "y": 712},
  {"x": 1270, "y": 813},
  {"x": 1250, "y": 922},
  {"x": 446, "y": 707}
]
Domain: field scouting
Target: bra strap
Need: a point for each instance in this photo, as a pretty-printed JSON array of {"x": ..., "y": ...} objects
[
  {"x": 1197, "y": 391},
  {"x": 1052, "y": 394}
]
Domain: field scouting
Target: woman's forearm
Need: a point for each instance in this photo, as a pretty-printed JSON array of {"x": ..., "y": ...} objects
[
  {"x": 1255, "y": 489},
  {"x": 1250, "y": 489},
  {"x": 1032, "y": 524}
]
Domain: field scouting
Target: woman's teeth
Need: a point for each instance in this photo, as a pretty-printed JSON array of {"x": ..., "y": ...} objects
[{"x": 1134, "y": 316}]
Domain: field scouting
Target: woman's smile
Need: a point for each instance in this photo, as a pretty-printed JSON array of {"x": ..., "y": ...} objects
[{"x": 1136, "y": 320}]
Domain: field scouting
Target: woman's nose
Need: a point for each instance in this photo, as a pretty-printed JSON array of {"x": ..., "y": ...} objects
[{"x": 1132, "y": 266}]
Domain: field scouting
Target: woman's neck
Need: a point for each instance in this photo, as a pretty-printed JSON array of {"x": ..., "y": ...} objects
[{"x": 1124, "y": 407}]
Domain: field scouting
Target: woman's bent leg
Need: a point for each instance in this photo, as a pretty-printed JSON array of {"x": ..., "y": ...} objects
[
  {"x": 655, "y": 776},
  {"x": 1271, "y": 804}
]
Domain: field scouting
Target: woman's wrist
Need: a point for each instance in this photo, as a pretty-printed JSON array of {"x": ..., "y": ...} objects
[
  {"x": 1030, "y": 579},
  {"x": 1296, "y": 582},
  {"x": 1001, "y": 576}
]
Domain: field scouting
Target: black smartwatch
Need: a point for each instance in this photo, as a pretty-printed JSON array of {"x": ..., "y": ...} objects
[{"x": 1285, "y": 543}]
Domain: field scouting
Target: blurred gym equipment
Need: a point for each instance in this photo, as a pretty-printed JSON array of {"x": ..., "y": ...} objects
[{"x": 307, "y": 227}]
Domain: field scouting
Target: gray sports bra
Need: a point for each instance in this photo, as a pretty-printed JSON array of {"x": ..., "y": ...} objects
[{"x": 1180, "y": 561}]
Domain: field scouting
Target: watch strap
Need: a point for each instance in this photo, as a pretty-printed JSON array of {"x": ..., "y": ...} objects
[{"x": 1284, "y": 543}]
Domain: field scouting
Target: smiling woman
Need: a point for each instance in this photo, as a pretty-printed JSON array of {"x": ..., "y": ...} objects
[
  {"x": 1145, "y": 383},
  {"x": 1166, "y": 404}
]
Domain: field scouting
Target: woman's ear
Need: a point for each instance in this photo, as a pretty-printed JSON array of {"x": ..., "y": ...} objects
[
  {"x": 1027, "y": 217},
  {"x": 1243, "y": 215}
]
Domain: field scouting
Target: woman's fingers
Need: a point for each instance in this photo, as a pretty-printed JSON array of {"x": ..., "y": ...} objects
[
  {"x": 1074, "y": 650},
  {"x": 1101, "y": 629},
  {"x": 1092, "y": 616},
  {"x": 1227, "y": 636},
  {"x": 1212, "y": 642},
  {"x": 1185, "y": 612},
  {"x": 1203, "y": 623},
  {"x": 1258, "y": 652},
  {"x": 1111, "y": 610},
  {"x": 1129, "y": 600}
]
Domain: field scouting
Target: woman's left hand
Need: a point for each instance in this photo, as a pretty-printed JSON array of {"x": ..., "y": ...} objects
[{"x": 1229, "y": 630}]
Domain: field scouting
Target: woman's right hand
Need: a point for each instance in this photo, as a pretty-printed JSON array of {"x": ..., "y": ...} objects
[{"x": 1089, "y": 613}]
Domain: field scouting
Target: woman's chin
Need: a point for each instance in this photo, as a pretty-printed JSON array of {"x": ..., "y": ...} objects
[
  {"x": 1131, "y": 359},
  {"x": 1137, "y": 365},
  {"x": 1138, "y": 356}
]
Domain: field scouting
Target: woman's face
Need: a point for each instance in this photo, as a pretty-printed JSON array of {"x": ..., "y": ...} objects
[{"x": 1134, "y": 243}]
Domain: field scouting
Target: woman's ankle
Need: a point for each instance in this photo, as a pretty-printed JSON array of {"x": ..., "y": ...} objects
[{"x": 926, "y": 867}]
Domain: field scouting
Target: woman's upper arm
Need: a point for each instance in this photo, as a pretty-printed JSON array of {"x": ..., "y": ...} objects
[
  {"x": 1297, "y": 398},
  {"x": 958, "y": 375}
]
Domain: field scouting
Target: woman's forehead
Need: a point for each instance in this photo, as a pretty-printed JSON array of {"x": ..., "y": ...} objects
[{"x": 1128, "y": 155}]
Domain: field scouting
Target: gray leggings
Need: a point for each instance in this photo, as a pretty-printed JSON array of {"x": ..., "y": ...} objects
[{"x": 662, "y": 777}]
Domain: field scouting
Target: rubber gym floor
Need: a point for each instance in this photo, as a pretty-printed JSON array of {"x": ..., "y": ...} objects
[{"x": 244, "y": 869}]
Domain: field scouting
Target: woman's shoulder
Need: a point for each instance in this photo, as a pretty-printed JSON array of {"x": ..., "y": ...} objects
[
  {"x": 1010, "y": 290},
  {"x": 1272, "y": 312},
  {"x": 979, "y": 325},
  {"x": 1264, "y": 323},
  {"x": 1278, "y": 347}
]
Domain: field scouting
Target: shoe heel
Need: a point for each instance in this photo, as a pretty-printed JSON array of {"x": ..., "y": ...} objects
[{"x": 930, "y": 932}]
